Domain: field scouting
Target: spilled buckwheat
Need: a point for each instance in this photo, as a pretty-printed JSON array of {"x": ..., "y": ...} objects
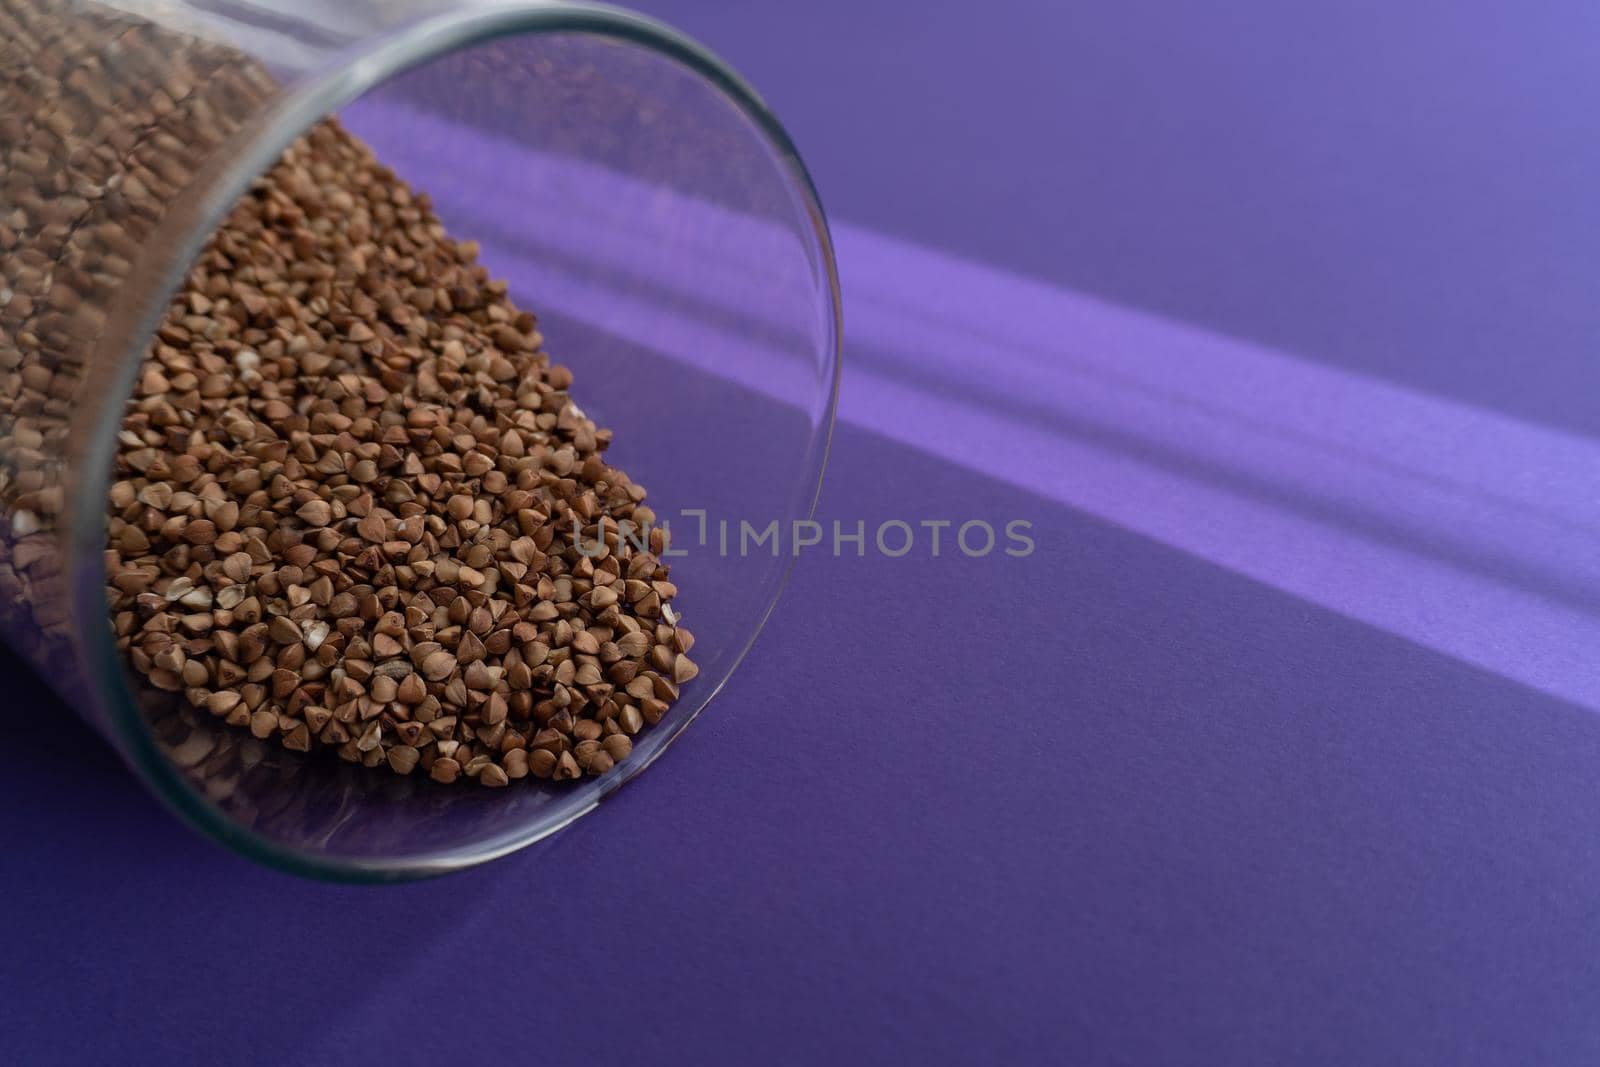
[{"x": 346, "y": 496}]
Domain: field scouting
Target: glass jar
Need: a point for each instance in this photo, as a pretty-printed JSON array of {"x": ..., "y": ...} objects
[{"x": 631, "y": 189}]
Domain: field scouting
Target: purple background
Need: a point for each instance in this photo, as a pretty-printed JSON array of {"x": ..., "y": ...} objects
[{"x": 1282, "y": 746}]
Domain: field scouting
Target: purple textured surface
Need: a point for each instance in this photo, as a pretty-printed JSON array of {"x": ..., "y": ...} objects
[{"x": 1280, "y": 327}]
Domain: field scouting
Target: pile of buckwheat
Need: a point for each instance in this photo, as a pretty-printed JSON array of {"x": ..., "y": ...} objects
[
  {"x": 107, "y": 119},
  {"x": 348, "y": 497}
]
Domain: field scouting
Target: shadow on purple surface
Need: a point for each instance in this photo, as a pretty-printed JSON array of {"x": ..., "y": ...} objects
[{"x": 47, "y": 729}]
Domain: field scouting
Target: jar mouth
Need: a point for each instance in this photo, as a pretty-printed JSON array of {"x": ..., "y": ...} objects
[{"x": 301, "y": 107}]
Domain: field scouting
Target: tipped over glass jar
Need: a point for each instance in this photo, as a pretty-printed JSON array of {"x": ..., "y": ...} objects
[{"x": 364, "y": 371}]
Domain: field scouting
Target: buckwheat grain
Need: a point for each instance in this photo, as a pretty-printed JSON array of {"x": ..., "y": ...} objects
[{"x": 345, "y": 496}]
